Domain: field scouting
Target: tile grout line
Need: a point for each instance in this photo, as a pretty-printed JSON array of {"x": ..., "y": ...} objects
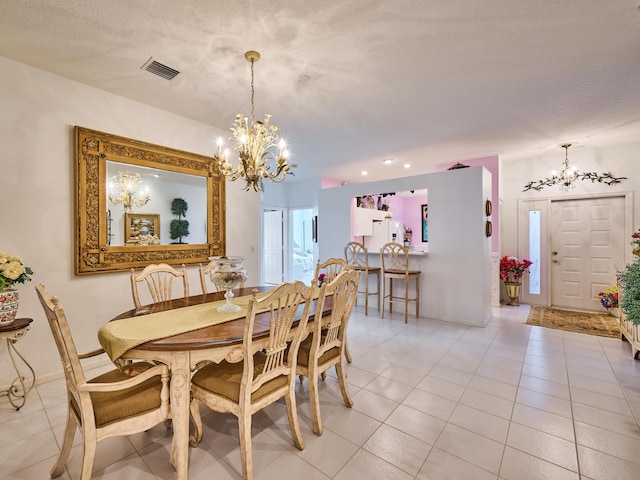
[{"x": 573, "y": 418}]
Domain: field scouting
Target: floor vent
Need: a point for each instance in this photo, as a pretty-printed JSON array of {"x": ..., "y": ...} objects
[{"x": 159, "y": 69}]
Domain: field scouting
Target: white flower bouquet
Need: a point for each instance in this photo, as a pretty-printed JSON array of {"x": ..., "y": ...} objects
[{"x": 12, "y": 271}]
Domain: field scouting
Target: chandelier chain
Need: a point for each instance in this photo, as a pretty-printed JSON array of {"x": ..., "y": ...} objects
[{"x": 252, "y": 92}]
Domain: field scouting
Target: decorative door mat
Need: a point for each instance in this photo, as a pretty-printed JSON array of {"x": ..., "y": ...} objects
[{"x": 571, "y": 321}]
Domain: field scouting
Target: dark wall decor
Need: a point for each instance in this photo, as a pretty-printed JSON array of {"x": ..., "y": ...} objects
[{"x": 425, "y": 222}]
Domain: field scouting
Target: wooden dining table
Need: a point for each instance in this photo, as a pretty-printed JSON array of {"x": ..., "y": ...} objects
[{"x": 184, "y": 352}]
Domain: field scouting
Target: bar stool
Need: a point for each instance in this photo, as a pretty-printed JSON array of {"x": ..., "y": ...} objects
[
  {"x": 357, "y": 256},
  {"x": 395, "y": 264}
]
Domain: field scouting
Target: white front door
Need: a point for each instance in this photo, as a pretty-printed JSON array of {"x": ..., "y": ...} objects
[
  {"x": 587, "y": 247},
  {"x": 273, "y": 247}
]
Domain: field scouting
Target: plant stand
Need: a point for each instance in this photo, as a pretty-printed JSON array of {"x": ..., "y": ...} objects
[
  {"x": 631, "y": 332},
  {"x": 21, "y": 385}
]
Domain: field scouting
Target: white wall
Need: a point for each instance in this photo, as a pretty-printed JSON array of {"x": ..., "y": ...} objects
[
  {"x": 456, "y": 279},
  {"x": 39, "y": 111}
]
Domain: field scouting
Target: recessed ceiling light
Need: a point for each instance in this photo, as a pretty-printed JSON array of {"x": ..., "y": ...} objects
[
  {"x": 388, "y": 161},
  {"x": 407, "y": 165},
  {"x": 364, "y": 172}
]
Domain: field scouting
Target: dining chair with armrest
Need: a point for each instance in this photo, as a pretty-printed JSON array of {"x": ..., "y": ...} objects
[
  {"x": 331, "y": 268},
  {"x": 265, "y": 374},
  {"x": 357, "y": 256},
  {"x": 159, "y": 278},
  {"x": 324, "y": 348},
  {"x": 116, "y": 403},
  {"x": 395, "y": 265}
]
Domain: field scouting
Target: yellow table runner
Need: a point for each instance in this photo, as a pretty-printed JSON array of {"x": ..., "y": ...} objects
[{"x": 118, "y": 336}]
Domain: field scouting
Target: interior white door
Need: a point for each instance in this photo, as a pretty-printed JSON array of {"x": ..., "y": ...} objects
[
  {"x": 273, "y": 247},
  {"x": 587, "y": 247}
]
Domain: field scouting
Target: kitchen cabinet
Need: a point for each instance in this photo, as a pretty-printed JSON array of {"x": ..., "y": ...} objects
[{"x": 364, "y": 218}]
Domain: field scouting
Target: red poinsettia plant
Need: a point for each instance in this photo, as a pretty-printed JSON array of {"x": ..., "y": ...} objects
[{"x": 512, "y": 269}]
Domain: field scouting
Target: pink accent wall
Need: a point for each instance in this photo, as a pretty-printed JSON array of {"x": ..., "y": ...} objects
[
  {"x": 405, "y": 209},
  {"x": 412, "y": 217},
  {"x": 329, "y": 182}
]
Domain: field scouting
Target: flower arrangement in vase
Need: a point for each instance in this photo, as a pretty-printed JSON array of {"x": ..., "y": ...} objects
[
  {"x": 408, "y": 233},
  {"x": 609, "y": 298},
  {"x": 511, "y": 271},
  {"x": 12, "y": 271},
  {"x": 635, "y": 243}
]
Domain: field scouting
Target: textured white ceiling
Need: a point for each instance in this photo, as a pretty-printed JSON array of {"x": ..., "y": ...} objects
[{"x": 423, "y": 81}]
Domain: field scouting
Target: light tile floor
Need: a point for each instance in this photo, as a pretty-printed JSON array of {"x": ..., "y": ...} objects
[{"x": 432, "y": 401}]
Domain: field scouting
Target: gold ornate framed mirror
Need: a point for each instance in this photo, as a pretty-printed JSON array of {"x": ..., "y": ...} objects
[{"x": 122, "y": 180}]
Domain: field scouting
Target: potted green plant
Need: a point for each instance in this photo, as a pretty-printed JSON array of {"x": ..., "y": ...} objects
[
  {"x": 629, "y": 280},
  {"x": 179, "y": 228}
]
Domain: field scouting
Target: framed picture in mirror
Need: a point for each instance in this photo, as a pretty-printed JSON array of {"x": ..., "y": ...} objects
[{"x": 140, "y": 225}]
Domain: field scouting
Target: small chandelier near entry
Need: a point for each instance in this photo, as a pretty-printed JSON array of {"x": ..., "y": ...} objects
[
  {"x": 567, "y": 177},
  {"x": 123, "y": 190},
  {"x": 256, "y": 144}
]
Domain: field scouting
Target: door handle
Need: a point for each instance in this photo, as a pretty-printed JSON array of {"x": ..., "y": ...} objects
[{"x": 555, "y": 259}]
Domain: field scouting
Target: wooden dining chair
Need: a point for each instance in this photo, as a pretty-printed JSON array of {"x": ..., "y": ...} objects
[
  {"x": 266, "y": 372},
  {"x": 331, "y": 268},
  {"x": 205, "y": 271},
  {"x": 357, "y": 256},
  {"x": 324, "y": 348},
  {"x": 159, "y": 279},
  {"x": 395, "y": 265},
  {"x": 116, "y": 403}
]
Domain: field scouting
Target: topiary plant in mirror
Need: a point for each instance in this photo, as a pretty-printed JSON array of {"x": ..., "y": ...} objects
[
  {"x": 179, "y": 228},
  {"x": 629, "y": 280}
]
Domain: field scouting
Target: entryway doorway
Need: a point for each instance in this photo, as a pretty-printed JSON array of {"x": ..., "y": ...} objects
[
  {"x": 302, "y": 258},
  {"x": 273, "y": 259},
  {"x": 587, "y": 248},
  {"x": 577, "y": 244}
]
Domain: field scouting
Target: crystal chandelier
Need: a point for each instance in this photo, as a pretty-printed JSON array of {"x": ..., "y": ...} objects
[
  {"x": 257, "y": 144},
  {"x": 568, "y": 175},
  {"x": 124, "y": 190}
]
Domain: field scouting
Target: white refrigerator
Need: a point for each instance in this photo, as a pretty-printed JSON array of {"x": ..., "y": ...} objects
[{"x": 384, "y": 231}]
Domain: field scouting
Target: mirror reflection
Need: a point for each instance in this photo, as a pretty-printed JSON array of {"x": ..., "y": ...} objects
[
  {"x": 142, "y": 201},
  {"x": 138, "y": 203}
]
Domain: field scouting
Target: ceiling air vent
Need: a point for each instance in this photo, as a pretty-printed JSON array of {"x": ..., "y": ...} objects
[{"x": 159, "y": 69}]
